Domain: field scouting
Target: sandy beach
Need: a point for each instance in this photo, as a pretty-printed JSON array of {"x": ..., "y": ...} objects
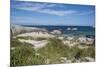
[{"x": 36, "y": 44}]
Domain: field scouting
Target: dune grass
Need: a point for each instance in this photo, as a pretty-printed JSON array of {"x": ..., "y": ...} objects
[
  {"x": 25, "y": 54},
  {"x": 55, "y": 49}
]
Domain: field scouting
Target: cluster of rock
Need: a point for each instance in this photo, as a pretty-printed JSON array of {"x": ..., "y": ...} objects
[
  {"x": 72, "y": 28},
  {"x": 86, "y": 40},
  {"x": 65, "y": 60},
  {"x": 72, "y": 41},
  {"x": 41, "y": 32},
  {"x": 33, "y": 31},
  {"x": 17, "y": 29}
]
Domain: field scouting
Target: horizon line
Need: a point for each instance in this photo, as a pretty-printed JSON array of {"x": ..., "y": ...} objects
[{"x": 50, "y": 25}]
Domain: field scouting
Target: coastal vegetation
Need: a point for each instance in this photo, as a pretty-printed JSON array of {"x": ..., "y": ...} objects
[
  {"x": 42, "y": 47},
  {"x": 54, "y": 52}
]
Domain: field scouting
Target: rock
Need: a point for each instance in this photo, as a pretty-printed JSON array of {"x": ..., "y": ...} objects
[
  {"x": 63, "y": 59},
  {"x": 36, "y": 35},
  {"x": 68, "y": 61},
  {"x": 37, "y": 54},
  {"x": 74, "y": 29},
  {"x": 66, "y": 42},
  {"x": 61, "y": 38},
  {"x": 78, "y": 61},
  {"x": 90, "y": 59},
  {"x": 86, "y": 41},
  {"x": 70, "y": 38},
  {"x": 82, "y": 39},
  {"x": 56, "y": 32},
  {"x": 12, "y": 48},
  {"x": 17, "y": 29},
  {"x": 68, "y": 28}
]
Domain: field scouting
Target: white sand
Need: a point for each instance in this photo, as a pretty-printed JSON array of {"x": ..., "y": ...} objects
[{"x": 37, "y": 44}]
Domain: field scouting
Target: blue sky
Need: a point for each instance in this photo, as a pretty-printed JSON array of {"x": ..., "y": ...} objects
[{"x": 36, "y": 13}]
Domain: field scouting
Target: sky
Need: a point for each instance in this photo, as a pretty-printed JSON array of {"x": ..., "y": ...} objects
[{"x": 42, "y": 13}]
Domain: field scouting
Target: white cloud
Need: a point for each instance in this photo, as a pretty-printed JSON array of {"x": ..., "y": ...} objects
[
  {"x": 48, "y": 9},
  {"x": 86, "y": 13},
  {"x": 45, "y": 8},
  {"x": 58, "y": 13}
]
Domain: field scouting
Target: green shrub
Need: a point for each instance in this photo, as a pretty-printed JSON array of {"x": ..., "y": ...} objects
[
  {"x": 22, "y": 56},
  {"x": 88, "y": 52},
  {"x": 25, "y": 54}
]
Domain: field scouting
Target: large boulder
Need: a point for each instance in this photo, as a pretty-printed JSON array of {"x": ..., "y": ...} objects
[
  {"x": 17, "y": 29},
  {"x": 56, "y": 32}
]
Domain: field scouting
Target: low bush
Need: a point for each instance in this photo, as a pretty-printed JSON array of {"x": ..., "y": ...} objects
[{"x": 25, "y": 55}]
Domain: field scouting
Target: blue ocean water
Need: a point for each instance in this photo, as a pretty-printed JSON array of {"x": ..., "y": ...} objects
[{"x": 81, "y": 30}]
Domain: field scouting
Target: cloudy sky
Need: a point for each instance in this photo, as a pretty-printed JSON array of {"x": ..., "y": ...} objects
[{"x": 36, "y": 13}]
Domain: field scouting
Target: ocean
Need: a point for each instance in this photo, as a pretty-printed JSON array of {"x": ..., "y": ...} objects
[{"x": 69, "y": 30}]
